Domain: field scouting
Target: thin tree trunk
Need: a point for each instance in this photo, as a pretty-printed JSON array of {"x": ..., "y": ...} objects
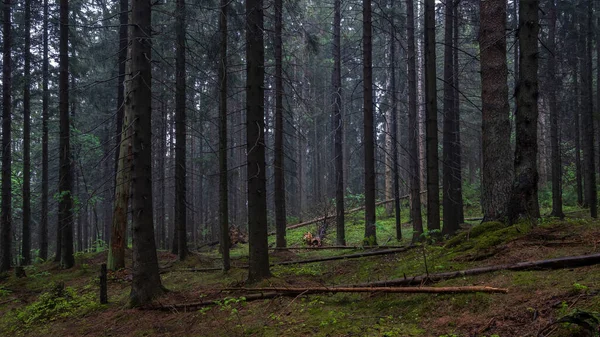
[
  {"x": 6, "y": 209},
  {"x": 338, "y": 125},
  {"x": 223, "y": 188},
  {"x": 577, "y": 134},
  {"x": 588, "y": 119},
  {"x": 413, "y": 126},
  {"x": 146, "y": 284},
  {"x": 255, "y": 143},
  {"x": 278, "y": 163},
  {"x": 65, "y": 205},
  {"x": 394, "y": 129},
  {"x": 368, "y": 132},
  {"x": 524, "y": 198},
  {"x": 26, "y": 250},
  {"x": 431, "y": 130},
  {"x": 180, "y": 126},
  {"x": 557, "y": 210},
  {"x": 43, "y": 231},
  {"x": 461, "y": 214}
]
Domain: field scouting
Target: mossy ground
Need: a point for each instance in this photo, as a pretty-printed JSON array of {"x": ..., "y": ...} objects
[{"x": 536, "y": 298}]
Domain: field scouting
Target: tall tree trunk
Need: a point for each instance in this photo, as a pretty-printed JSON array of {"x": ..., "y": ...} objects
[
  {"x": 577, "y": 134},
  {"x": 588, "y": 119},
  {"x": 557, "y": 210},
  {"x": 524, "y": 198},
  {"x": 394, "y": 121},
  {"x": 6, "y": 219},
  {"x": 338, "y": 125},
  {"x": 223, "y": 188},
  {"x": 495, "y": 129},
  {"x": 258, "y": 260},
  {"x": 65, "y": 184},
  {"x": 180, "y": 126},
  {"x": 26, "y": 250},
  {"x": 146, "y": 284},
  {"x": 461, "y": 211},
  {"x": 431, "y": 130},
  {"x": 451, "y": 169},
  {"x": 43, "y": 231},
  {"x": 118, "y": 235},
  {"x": 368, "y": 132},
  {"x": 278, "y": 164},
  {"x": 413, "y": 126}
]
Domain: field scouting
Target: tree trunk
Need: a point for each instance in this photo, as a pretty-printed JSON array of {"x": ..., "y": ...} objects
[
  {"x": 43, "y": 231},
  {"x": 255, "y": 143},
  {"x": 65, "y": 205},
  {"x": 451, "y": 169},
  {"x": 26, "y": 250},
  {"x": 338, "y": 125},
  {"x": 557, "y": 210},
  {"x": 223, "y": 188},
  {"x": 495, "y": 129},
  {"x": 146, "y": 284},
  {"x": 180, "y": 142},
  {"x": 413, "y": 126},
  {"x": 577, "y": 133},
  {"x": 461, "y": 213},
  {"x": 368, "y": 132},
  {"x": 278, "y": 165},
  {"x": 524, "y": 196},
  {"x": 431, "y": 129},
  {"x": 588, "y": 119},
  {"x": 394, "y": 123},
  {"x": 6, "y": 209}
]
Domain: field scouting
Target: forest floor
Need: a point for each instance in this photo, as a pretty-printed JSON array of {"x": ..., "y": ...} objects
[{"x": 35, "y": 306}]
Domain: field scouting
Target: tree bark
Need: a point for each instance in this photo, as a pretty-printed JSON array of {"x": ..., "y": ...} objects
[
  {"x": 368, "y": 132},
  {"x": 431, "y": 129},
  {"x": 278, "y": 163},
  {"x": 255, "y": 143},
  {"x": 413, "y": 126},
  {"x": 146, "y": 284},
  {"x": 495, "y": 129},
  {"x": 394, "y": 123},
  {"x": 524, "y": 195},
  {"x": 223, "y": 188},
  {"x": 6, "y": 209},
  {"x": 43, "y": 231},
  {"x": 65, "y": 184},
  {"x": 590, "y": 196},
  {"x": 338, "y": 124},
  {"x": 557, "y": 210},
  {"x": 181, "y": 138},
  {"x": 26, "y": 244}
]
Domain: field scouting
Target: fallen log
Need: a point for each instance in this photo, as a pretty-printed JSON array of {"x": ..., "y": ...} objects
[
  {"x": 323, "y": 218},
  {"x": 557, "y": 263},
  {"x": 323, "y": 259},
  {"x": 336, "y": 247},
  {"x": 268, "y": 293},
  {"x": 412, "y": 290}
]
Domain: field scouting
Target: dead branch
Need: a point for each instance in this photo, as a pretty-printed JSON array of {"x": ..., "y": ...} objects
[
  {"x": 558, "y": 263},
  {"x": 336, "y": 247}
]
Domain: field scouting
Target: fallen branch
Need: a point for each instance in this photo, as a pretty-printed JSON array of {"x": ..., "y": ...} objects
[
  {"x": 558, "y": 263},
  {"x": 323, "y": 259},
  {"x": 336, "y": 247},
  {"x": 268, "y": 293},
  {"x": 393, "y": 290}
]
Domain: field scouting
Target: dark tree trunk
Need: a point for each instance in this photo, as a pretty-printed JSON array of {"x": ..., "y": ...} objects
[
  {"x": 65, "y": 181},
  {"x": 557, "y": 210},
  {"x": 146, "y": 284},
  {"x": 451, "y": 152},
  {"x": 431, "y": 129},
  {"x": 26, "y": 250},
  {"x": 394, "y": 121},
  {"x": 495, "y": 130},
  {"x": 278, "y": 164},
  {"x": 117, "y": 238},
  {"x": 258, "y": 260},
  {"x": 524, "y": 198},
  {"x": 368, "y": 132},
  {"x": 588, "y": 119},
  {"x": 43, "y": 231},
  {"x": 413, "y": 126},
  {"x": 6, "y": 219},
  {"x": 223, "y": 188},
  {"x": 461, "y": 214},
  {"x": 338, "y": 125},
  {"x": 180, "y": 142},
  {"x": 577, "y": 134}
]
